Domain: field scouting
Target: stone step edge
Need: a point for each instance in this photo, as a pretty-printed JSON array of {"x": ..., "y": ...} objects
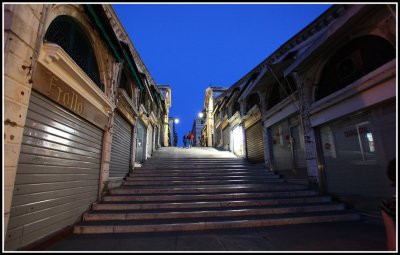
[
  {"x": 226, "y": 203},
  {"x": 81, "y": 229},
  {"x": 182, "y": 197},
  {"x": 102, "y": 216},
  {"x": 203, "y": 182},
  {"x": 127, "y": 190}
]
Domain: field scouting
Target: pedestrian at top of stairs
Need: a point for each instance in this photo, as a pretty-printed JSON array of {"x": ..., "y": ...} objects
[
  {"x": 185, "y": 140},
  {"x": 191, "y": 139}
]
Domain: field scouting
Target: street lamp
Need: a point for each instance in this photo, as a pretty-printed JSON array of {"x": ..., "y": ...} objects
[
  {"x": 176, "y": 121},
  {"x": 201, "y": 114}
]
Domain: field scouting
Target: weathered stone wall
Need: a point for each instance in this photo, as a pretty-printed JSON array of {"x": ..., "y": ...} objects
[{"x": 21, "y": 26}]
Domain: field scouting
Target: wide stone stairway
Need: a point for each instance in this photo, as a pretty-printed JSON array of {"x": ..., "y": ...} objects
[{"x": 202, "y": 188}]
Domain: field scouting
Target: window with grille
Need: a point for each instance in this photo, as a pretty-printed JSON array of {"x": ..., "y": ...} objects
[{"x": 68, "y": 34}]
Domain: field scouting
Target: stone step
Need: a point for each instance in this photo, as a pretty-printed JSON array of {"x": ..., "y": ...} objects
[
  {"x": 184, "y": 159},
  {"x": 211, "y": 196},
  {"x": 197, "y": 167},
  {"x": 192, "y": 178},
  {"x": 211, "y": 212},
  {"x": 204, "y": 204},
  {"x": 197, "y": 182},
  {"x": 167, "y": 163},
  {"x": 205, "y": 190},
  {"x": 200, "y": 174},
  {"x": 202, "y": 171},
  {"x": 188, "y": 224}
]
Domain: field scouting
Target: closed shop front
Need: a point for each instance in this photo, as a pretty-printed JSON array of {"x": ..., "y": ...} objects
[
  {"x": 58, "y": 172},
  {"x": 140, "y": 142},
  {"x": 288, "y": 148},
  {"x": 218, "y": 136},
  {"x": 121, "y": 147},
  {"x": 255, "y": 143},
  {"x": 149, "y": 143},
  {"x": 356, "y": 150},
  {"x": 237, "y": 140},
  {"x": 225, "y": 134},
  {"x": 156, "y": 140}
]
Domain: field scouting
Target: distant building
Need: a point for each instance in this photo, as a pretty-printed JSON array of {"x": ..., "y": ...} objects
[
  {"x": 166, "y": 93},
  {"x": 198, "y": 125},
  {"x": 211, "y": 94},
  {"x": 173, "y": 135}
]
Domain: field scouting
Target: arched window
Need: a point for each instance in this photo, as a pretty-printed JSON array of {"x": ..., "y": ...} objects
[
  {"x": 279, "y": 92},
  {"x": 356, "y": 59},
  {"x": 251, "y": 101},
  {"x": 125, "y": 83},
  {"x": 236, "y": 107},
  {"x": 69, "y": 35},
  {"x": 273, "y": 97}
]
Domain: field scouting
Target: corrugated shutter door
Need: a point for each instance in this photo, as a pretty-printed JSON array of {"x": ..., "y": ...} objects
[
  {"x": 255, "y": 143},
  {"x": 140, "y": 140},
  {"x": 121, "y": 147},
  {"x": 225, "y": 133},
  {"x": 156, "y": 141},
  {"x": 57, "y": 174},
  {"x": 149, "y": 144}
]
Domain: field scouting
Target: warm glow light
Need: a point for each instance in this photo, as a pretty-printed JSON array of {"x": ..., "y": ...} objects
[
  {"x": 200, "y": 115},
  {"x": 176, "y": 121}
]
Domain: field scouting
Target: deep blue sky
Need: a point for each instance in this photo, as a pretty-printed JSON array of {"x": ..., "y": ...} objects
[{"x": 193, "y": 46}]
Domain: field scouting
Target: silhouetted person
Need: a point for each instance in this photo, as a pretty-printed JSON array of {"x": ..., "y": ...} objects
[
  {"x": 191, "y": 138},
  {"x": 185, "y": 139}
]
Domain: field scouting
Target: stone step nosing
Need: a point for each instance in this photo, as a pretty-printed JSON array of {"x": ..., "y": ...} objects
[
  {"x": 203, "y": 190},
  {"x": 138, "y": 206},
  {"x": 137, "y": 182},
  {"x": 222, "y": 213},
  {"x": 210, "y": 196},
  {"x": 228, "y": 178},
  {"x": 209, "y": 175},
  {"x": 178, "y": 169},
  {"x": 79, "y": 229}
]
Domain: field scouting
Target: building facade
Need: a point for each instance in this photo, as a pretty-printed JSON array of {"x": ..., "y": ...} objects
[
  {"x": 321, "y": 109},
  {"x": 80, "y": 105},
  {"x": 173, "y": 135},
  {"x": 198, "y": 125},
  {"x": 209, "y": 135}
]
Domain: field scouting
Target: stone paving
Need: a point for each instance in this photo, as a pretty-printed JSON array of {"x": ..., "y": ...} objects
[{"x": 334, "y": 236}]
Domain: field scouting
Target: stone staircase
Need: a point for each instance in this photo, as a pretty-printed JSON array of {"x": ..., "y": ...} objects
[{"x": 202, "y": 188}]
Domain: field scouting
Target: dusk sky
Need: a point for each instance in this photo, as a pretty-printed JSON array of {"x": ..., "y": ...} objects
[{"x": 193, "y": 46}]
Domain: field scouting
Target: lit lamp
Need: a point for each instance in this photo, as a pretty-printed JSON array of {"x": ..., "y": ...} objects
[
  {"x": 176, "y": 121},
  {"x": 201, "y": 115}
]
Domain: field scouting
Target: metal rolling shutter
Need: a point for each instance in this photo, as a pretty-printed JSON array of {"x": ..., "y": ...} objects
[
  {"x": 149, "y": 144},
  {"x": 140, "y": 142},
  {"x": 255, "y": 143},
  {"x": 57, "y": 174},
  {"x": 156, "y": 141},
  {"x": 225, "y": 133},
  {"x": 121, "y": 147}
]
